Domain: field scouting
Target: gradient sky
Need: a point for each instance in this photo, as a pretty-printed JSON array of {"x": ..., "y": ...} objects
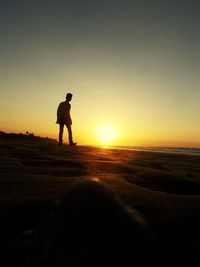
[{"x": 132, "y": 65}]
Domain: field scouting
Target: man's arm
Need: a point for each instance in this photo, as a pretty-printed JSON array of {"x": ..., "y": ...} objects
[{"x": 58, "y": 112}]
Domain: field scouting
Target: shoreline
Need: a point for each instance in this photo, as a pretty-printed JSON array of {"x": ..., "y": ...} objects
[{"x": 193, "y": 151}]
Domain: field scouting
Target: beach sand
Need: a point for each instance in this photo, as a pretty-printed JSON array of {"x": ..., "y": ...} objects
[{"x": 164, "y": 188}]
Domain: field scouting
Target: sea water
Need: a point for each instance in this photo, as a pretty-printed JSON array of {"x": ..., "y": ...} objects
[{"x": 174, "y": 150}]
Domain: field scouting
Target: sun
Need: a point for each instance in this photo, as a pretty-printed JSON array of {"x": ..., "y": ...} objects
[{"x": 106, "y": 134}]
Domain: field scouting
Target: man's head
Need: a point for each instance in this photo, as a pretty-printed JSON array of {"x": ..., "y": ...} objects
[{"x": 68, "y": 97}]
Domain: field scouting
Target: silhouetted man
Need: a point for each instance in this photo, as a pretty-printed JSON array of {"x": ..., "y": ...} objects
[{"x": 64, "y": 118}]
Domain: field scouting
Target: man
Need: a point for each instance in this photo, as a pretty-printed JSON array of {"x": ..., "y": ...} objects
[{"x": 64, "y": 118}]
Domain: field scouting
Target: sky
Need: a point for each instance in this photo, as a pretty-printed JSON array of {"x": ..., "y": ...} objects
[{"x": 132, "y": 66}]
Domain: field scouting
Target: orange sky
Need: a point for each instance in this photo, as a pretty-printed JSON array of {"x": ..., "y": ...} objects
[{"x": 133, "y": 68}]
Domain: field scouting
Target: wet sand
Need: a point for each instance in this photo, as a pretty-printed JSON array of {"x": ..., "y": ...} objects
[{"x": 164, "y": 188}]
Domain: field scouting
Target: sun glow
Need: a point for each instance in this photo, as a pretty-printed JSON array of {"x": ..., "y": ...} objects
[{"x": 106, "y": 134}]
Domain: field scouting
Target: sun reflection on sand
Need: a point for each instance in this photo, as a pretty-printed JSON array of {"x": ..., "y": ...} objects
[{"x": 95, "y": 179}]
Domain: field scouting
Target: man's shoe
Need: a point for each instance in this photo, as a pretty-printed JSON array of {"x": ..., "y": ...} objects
[{"x": 72, "y": 144}]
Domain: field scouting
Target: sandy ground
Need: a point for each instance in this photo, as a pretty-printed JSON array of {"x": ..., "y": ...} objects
[{"x": 163, "y": 188}]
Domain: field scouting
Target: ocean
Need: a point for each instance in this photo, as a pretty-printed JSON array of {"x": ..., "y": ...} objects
[{"x": 174, "y": 150}]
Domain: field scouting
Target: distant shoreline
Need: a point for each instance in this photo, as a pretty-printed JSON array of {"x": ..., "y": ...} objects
[
  {"x": 195, "y": 151},
  {"x": 190, "y": 151},
  {"x": 174, "y": 150}
]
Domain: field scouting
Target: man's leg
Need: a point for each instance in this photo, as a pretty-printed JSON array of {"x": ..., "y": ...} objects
[
  {"x": 70, "y": 135},
  {"x": 61, "y": 133}
]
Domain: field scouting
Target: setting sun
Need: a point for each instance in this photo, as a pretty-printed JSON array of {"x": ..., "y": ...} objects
[{"x": 106, "y": 134}]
